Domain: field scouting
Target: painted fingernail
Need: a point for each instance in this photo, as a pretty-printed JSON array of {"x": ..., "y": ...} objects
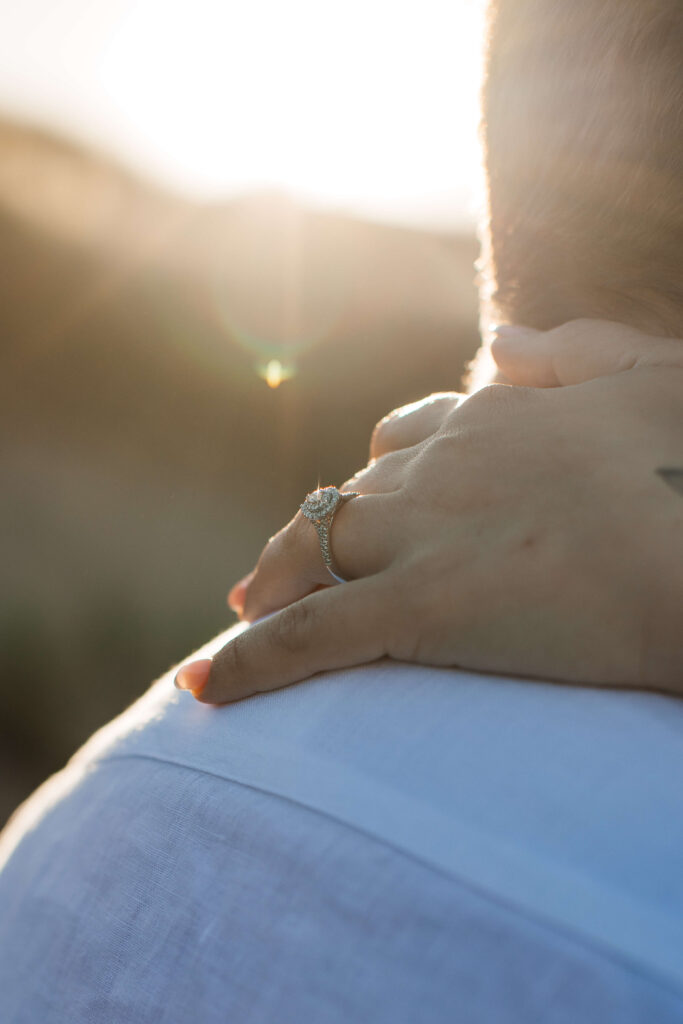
[{"x": 193, "y": 676}]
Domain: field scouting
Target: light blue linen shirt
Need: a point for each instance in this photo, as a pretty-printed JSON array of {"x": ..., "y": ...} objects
[{"x": 391, "y": 843}]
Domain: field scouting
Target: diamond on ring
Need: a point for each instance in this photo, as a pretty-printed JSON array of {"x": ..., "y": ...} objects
[{"x": 320, "y": 507}]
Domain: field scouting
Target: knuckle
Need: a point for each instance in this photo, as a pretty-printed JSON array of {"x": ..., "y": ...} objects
[
  {"x": 580, "y": 328},
  {"x": 283, "y": 546},
  {"x": 269, "y": 552},
  {"x": 295, "y": 624},
  {"x": 252, "y": 602},
  {"x": 379, "y": 438},
  {"x": 500, "y": 395},
  {"x": 229, "y": 669},
  {"x": 258, "y": 587},
  {"x": 296, "y": 533},
  {"x": 280, "y": 540},
  {"x": 443, "y": 409},
  {"x": 580, "y": 323},
  {"x": 492, "y": 394},
  {"x": 409, "y": 424}
]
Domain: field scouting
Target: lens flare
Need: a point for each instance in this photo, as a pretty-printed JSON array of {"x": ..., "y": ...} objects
[{"x": 274, "y": 373}]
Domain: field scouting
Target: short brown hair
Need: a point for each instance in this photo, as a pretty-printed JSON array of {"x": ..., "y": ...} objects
[{"x": 582, "y": 129}]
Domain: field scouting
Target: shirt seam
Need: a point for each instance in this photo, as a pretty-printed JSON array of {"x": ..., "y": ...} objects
[{"x": 601, "y": 949}]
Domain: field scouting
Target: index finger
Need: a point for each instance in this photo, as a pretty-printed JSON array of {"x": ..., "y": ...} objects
[{"x": 331, "y": 629}]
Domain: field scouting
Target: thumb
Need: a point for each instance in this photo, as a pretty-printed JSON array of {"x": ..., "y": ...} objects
[{"x": 578, "y": 351}]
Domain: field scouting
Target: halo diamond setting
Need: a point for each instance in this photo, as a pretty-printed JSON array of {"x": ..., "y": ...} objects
[
  {"x": 320, "y": 507},
  {"x": 321, "y": 503}
]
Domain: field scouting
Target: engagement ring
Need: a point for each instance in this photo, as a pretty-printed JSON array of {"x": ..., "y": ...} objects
[{"x": 320, "y": 507}]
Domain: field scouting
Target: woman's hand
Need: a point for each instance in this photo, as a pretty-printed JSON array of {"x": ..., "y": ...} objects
[
  {"x": 529, "y": 533},
  {"x": 282, "y": 575}
]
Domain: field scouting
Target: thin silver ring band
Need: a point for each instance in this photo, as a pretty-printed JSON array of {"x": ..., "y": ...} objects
[{"x": 326, "y": 501}]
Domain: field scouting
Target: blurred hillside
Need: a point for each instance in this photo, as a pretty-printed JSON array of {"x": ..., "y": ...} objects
[{"x": 144, "y": 460}]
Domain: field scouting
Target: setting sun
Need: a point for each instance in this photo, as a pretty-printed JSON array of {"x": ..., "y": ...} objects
[
  {"x": 371, "y": 105},
  {"x": 367, "y": 105}
]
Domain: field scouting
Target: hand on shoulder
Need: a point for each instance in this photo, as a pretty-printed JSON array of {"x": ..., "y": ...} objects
[{"x": 534, "y": 530}]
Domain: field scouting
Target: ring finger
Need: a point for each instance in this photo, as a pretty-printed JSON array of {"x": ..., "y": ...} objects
[{"x": 291, "y": 564}]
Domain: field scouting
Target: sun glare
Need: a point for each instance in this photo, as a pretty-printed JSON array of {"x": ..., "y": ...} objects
[
  {"x": 367, "y": 102},
  {"x": 274, "y": 373}
]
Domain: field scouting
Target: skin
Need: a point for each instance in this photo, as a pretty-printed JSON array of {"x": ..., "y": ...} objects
[{"x": 532, "y": 530}]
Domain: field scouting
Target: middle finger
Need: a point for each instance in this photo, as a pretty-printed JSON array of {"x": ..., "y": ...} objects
[{"x": 410, "y": 424}]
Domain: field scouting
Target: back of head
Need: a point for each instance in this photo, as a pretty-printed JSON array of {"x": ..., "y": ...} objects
[{"x": 583, "y": 136}]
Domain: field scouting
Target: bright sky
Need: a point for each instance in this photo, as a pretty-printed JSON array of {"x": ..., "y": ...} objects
[{"x": 368, "y": 105}]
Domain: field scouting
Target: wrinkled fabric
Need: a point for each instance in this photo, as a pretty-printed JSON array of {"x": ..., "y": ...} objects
[{"x": 390, "y": 843}]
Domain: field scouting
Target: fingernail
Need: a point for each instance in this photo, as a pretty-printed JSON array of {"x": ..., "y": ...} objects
[
  {"x": 236, "y": 595},
  {"x": 193, "y": 676}
]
